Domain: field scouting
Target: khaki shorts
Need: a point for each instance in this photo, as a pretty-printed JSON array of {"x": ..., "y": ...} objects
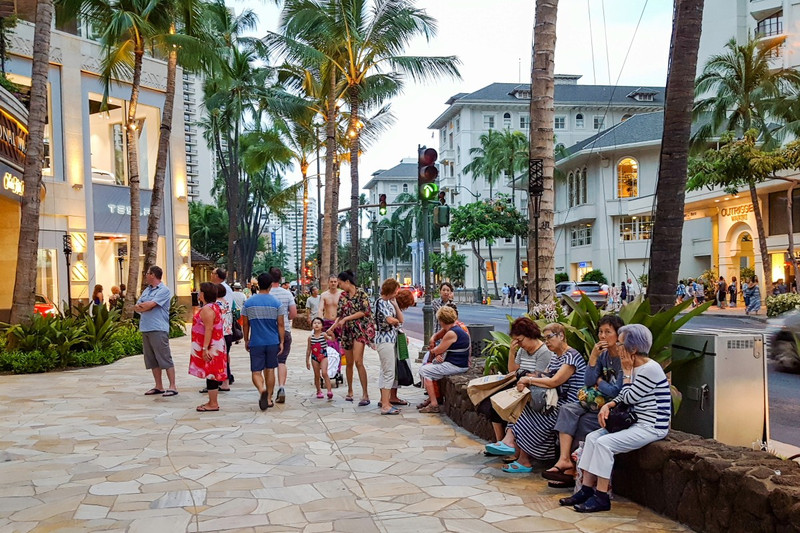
[{"x": 156, "y": 350}]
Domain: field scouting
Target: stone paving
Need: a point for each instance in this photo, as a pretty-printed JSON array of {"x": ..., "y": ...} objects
[{"x": 84, "y": 450}]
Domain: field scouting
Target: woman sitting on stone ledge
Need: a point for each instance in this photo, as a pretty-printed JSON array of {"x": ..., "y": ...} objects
[
  {"x": 645, "y": 387},
  {"x": 450, "y": 357},
  {"x": 602, "y": 383},
  {"x": 532, "y": 435}
]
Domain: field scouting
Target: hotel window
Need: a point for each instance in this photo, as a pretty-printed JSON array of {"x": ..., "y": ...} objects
[
  {"x": 635, "y": 228},
  {"x": 507, "y": 121},
  {"x": 47, "y": 274},
  {"x": 580, "y": 236},
  {"x": 576, "y": 188},
  {"x": 488, "y": 122},
  {"x": 458, "y": 155},
  {"x": 524, "y": 122},
  {"x": 770, "y": 26},
  {"x": 571, "y": 200},
  {"x": 23, "y": 93},
  {"x": 458, "y": 125},
  {"x": 560, "y": 123},
  {"x": 579, "y": 121},
  {"x": 584, "y": 187},
  {"x": 450, "y": 141},
  {"x": 628, "y": 178},
  {"x": 405, "y": 187},
  {"x": 393, "y": 188},
  {"x": 598, "y": 122}
]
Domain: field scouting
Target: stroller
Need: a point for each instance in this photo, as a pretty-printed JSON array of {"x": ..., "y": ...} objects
[{"x": 334, "y": 368}]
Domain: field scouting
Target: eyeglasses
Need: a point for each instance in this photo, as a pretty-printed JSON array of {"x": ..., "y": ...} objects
[{"x": 548, "y": 337}]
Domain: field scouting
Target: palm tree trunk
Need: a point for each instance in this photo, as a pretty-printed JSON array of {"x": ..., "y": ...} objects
[
  {"x": 329, "y": 216},
  {"x": 157, "y": 199},
  {"x": 301, "y": 275},
  {"x": 28, "y": 246},
  {"x": 541, "y": 148},
  {"x": 132, "y": 140},
  {"x": 665, "y": 250},
  {"x": 766, "y": 260},
  {"x": 790, "y": 222},
  {"x": 354, "y": 187},
  {"x": 336, "y": 226}
]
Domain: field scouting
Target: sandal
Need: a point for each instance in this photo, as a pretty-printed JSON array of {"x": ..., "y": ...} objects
[
  {"x": 517, "y": 468},
  {"x": 392, "y": 411},
  {"x": 330, "y": 395},
  {"x": 170, "y": 392},
  {"x": 348, "y": 398},
  {"x": 204, "y": 409},
  {"x": 430, "y": 409},
  {"x": 500, "y": 449},
  {"x": 424, "y": 404},
  {"x": 398, "y": 402},
  {"x": 559, "y": 474},
  {"x": 319, "y": 395},
  {"x": 363, "y": 403},
  {"x": 153, "y": 392}
]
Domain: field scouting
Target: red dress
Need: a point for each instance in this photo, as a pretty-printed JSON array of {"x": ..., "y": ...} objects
[{"x": 198, "y": 366}]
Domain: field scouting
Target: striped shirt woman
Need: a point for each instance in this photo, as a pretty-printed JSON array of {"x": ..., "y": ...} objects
[{"x": 649, "y": 394}]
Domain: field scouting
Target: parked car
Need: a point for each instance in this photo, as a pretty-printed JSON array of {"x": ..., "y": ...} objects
[
  {"x": 782, "y": 347},
  {"x": 575, "y": 290},
  {"x": 43, "y": 306},
  {"x": 413, "y": 290}
]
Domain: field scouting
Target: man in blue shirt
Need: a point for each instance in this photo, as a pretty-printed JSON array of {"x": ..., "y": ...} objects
[
  {"x": 153, "y": 308},
  {"x": 263, "y": 328}
]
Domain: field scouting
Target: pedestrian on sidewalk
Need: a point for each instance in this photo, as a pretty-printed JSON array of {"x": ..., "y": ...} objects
[
  {"x": 722, "y": 293},
  {"x": 153, "y": 308},
  {"x": 289, "y": 308},
  {"x": 209, "y": 359},
  {"x": 680, "y": 292},
  {"x": 623, "y": 293},
  {"x": 357, "y": 331},
  {"x": 512, "y": 294},
  {"x": 631, "y": 291},
  {"x": 329, "y": 301},
  {"x": 732, "y": 290},
  {"x": 317, "y": 357},
  {"x": 218, "y": 277},
  {"x": 388, "y": 318},
  {"x": 264, "y": 330},
  {"x": 312, "y": 303},
  {"x": 613, "y": 297},
  {"x": 753, "y": 295},
  {"x": 505, "y": 293}
]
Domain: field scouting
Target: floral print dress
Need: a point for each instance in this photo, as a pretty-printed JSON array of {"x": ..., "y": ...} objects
[
  {"x": 198, "y": 366},
  {"x": 361, "y": 330}
]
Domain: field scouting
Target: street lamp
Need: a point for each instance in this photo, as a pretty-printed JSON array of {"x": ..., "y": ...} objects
[
  {"x": 477, "y": 196},
  {"x": 122, "y": 251},
  {"x": 67, "y": 238},
  {"x": 536, "y": 191}
]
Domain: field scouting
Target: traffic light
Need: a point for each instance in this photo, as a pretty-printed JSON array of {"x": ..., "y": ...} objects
[
  {"x": 382, "y": 204},
  {"x": 441, "y": 216},
  {"x": 427, "y": 173}
]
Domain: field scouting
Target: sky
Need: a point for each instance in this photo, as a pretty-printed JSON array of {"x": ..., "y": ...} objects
[{"x": 493, "y": 39}]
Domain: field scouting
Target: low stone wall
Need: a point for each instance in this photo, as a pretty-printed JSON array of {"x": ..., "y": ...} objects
[{"x": 707, "y": 485}]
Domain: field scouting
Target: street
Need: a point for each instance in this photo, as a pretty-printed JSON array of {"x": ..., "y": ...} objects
[{"x": 784, "y": 389}]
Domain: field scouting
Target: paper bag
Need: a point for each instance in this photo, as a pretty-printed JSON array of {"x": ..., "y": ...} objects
[
  {"x": 481, "y": 388},
  {"x": 509, "y": 403}
]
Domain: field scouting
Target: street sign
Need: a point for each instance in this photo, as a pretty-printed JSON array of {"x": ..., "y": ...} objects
[{"x": 582, "y": 264}]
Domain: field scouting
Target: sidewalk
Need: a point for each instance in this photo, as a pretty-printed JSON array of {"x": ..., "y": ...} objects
[{"x": 84, "y": 450}]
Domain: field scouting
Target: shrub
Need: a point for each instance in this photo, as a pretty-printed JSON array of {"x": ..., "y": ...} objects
[
  {"x": 595, "y": 275},
  {"x": 782, "y": 303},
  {"x": 100, "y": 328},
  {"x": 177, "y": 320},
  {"x": 66, "y": 335},
  {"x": 128, "y": 341},
  {"x": 95, "y": 358},
  {"x": 33, "y": 362},
  {"x": 561, "y": 277},
  {"x": 35, "y": 334}
]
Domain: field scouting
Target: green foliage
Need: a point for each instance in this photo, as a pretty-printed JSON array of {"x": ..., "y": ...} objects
[
  {"x": 746, "y": 273},
  {"x": 488, "y": 219},
  {"x": 593, "y": 275},
  {"x": 208, "y": 228},
  {"x": 31, "y": 335},
  {"x": 781, "y": 303},
  {"x": 561, "y": 277},
  {"x": 128, "y": 340},
  {"x": 32, "y": 362},
  {"x": 65, "y": 336},
  {"x": 497, "y": 354},
  {"x": 100, "y": 328},
  {"x": 177, "y": 318}
]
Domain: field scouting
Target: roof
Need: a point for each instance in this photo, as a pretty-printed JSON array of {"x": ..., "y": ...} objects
[
  {"x": 402, "y": 171},
  {"x": 565, "y": 94},
  {"x": 200, "y": 259}
]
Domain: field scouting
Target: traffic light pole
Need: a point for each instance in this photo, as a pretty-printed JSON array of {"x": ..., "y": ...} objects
[{"x": 427, "y": 309}]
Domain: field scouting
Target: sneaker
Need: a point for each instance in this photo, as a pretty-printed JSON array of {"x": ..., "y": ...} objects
[
  {"x": 319, "y": 395},
  {"x": 330, "y": 395},
  {"x": 281, "y": 396}
]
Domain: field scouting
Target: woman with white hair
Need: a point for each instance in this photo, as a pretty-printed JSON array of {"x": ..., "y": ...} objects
[{"x": 645, "y": 387}]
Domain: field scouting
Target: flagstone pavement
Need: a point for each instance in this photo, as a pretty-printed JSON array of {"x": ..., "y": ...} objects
[{"x": 85, "y": 450}]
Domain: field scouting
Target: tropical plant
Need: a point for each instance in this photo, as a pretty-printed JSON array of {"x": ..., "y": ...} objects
[
  {"x": 177, "y": 318},
  {"x": 561, "y": 276},
  {"x": 666, "y": 242},
  {"x": 595, "y": 275},
  {"x": 101, "y": 328},
  {"x": 65, "y": 336},
  {"x": 782, "y": 303},
  {"x": 24, "y": 295},
  {"x": 30, "y": 335},
  {"x": 208, "y": 229},
  {"x": 512, "y": 149}
]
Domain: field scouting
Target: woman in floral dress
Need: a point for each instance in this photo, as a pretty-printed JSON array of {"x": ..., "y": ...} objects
[
  {"x": 208, "y": 360},
  {"x": 357, "y": 330}
]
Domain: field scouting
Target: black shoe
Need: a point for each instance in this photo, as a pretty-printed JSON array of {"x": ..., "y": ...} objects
[
  {"x": 579, "y": 497},
  {"x": 263, "y": 401},
  {"x": 598, "y": 502},
  {"x": 418, "y": 384},
  {"x": 281, "y": 396},
  {"x": 204, "y": 390},
  {"x": 230, "y": 379}
]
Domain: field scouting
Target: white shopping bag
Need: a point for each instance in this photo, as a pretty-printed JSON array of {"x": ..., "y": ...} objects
[{"x": 333, "y": 362}]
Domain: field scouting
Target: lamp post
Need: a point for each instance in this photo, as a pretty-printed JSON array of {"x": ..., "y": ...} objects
[
  {"x": 375, "y": 251},
  {"x": 122, "y": 251},
  {"x": 535, "y": 191},
  {"x": 67, "y": 253}
]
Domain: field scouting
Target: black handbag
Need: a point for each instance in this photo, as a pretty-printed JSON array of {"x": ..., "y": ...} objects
[
  {"x": 620, "y": 417},
  {"x": 404, "y": 376},
  {"x": 237, "y": 332}
]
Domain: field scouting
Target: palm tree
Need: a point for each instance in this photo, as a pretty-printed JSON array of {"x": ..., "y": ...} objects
[
  {"x": 542, "y": 149},
  {"x": 665, "y": 249},
  {"x": 512, "y": 151},
  {"x": 737, "y": 92},
  {"x": 25, "y": 280},
  {"x": 361, "y": 43},
  {"x": 486, "y": 163}
]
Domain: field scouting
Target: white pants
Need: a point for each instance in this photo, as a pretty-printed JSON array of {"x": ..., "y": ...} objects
[
  {"x": 600, "y": 447},
  {"x": 439, "y": 370},
  {"x": 387, "y": 379},
  {"x": 504, "y": 301}
]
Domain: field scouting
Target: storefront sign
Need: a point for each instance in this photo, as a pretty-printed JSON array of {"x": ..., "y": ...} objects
[
  {"x": 695, "y": 214},
  {"x": 13, "y": 187},
  {"x": 13, "y": 140},
  {"x": 737, "y": 213},
  {"x": 112, "y": 209}
]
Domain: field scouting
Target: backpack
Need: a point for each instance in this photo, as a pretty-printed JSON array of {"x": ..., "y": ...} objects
[{"x": 381, "y": 325}]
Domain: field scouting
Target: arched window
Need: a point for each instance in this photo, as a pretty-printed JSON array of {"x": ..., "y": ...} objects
[
  {"x": 507, "y": 120},
  {"x": 405, "y": 187},
  {"x": 584, "y": 188},
  {"x": 628, "y": 178},
  {"x": 626, "y": 117},
  {"x": 579, "y": 120},
  {"x": 571, "y": 190}
]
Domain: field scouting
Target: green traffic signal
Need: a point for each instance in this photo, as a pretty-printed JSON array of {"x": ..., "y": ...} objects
[
  {"x": 429, "y": 191},
  {"x": 382, "y": 210}
]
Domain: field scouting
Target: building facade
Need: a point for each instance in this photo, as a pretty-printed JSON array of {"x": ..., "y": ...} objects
[
  {"x": 200, "y": 159},
  {"x": 85, "y": 173},
  {"x": 289, "y": 232},
  {"x": 581, "y": 112}
]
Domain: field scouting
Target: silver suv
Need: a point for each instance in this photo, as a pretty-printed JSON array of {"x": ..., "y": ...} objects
[{"x": 574, "y": 290}]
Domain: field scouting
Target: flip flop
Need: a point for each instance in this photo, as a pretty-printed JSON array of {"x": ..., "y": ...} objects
[
  {"x": 348, "y": 398},
  {"x": 399, "y": 402},
  {"x": 204, "y": 409},
  {"x": 153, "y": 392},
  {"x": 263, "y": 401},
  {"x": 559, "y": 475},
  {"x": 363, "y": 403},
  {"x": 224, "y": 390},
  {"x": 500, "y": 449},
  {"x": 517, "y": 468},
  {"x": 557, "y": 485},
  {"x": 392, "y": 411},
  {"x": 170, "y": 392}
]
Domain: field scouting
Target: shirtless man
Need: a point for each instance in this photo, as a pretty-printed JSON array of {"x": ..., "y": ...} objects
[{"x": 329, "y": 302}]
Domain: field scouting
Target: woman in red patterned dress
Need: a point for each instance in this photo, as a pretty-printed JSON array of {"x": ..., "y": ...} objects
[{"x": 208, "y": 346}]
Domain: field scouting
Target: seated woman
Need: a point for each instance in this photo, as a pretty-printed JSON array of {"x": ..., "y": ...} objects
[
  {"x": 450, "y": 357},
  {"x": 527, "y": 354},
  {"x": 645, "y": 387},
  {"x": 602, "y": 383},
  {"x": 532, "y": 435}
]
